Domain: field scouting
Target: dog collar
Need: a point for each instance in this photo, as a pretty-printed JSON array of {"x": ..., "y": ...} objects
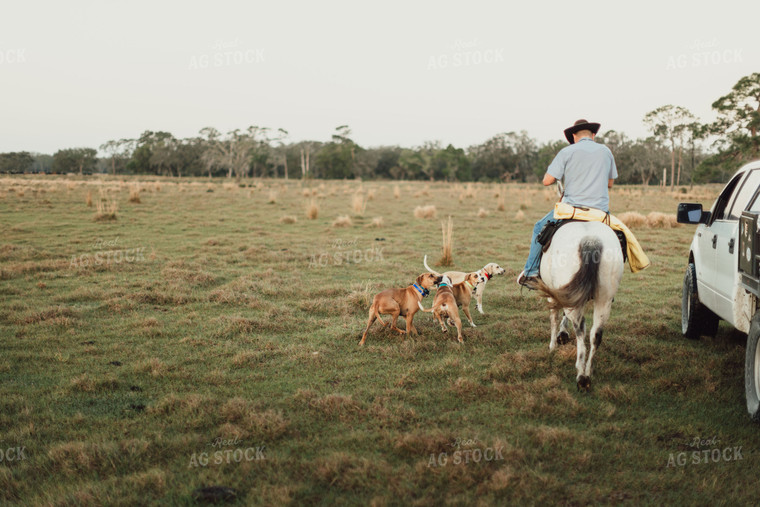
[
  {"x": 485, "y": 273},
  {"x": 421, "y": 290},
  {"x": 469, "y": 285},
  {"x": 443, "y": 284}
]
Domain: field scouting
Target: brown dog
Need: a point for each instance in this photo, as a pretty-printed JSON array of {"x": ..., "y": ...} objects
[
  {"x": 486, "y": 273},
  {"x": 403, "y": 302},
  {"x": 445, "y": 305},
  {"x": 463, "y": 292}
]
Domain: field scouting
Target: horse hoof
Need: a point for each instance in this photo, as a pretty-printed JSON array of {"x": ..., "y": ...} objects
[
  {"x": 584, "y": 383},
  {"x": 563, "y": 338}
]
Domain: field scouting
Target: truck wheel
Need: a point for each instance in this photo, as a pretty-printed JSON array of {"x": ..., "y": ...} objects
[
  {"x": 696, "y": 318},
  {"x": 752, "y": 370}
]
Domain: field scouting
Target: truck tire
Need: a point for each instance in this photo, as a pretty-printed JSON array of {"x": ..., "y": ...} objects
[
  {"x": 752, "y": 369},
  {"x": 696, "y": 318}
]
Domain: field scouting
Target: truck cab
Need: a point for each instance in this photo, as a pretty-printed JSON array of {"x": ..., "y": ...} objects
[{"x": 722, "y": 279}]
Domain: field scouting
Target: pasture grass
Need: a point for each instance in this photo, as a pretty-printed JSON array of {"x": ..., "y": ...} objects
[{"x": 220, "y": 319}]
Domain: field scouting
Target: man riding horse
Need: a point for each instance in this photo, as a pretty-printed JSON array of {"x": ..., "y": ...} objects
[{"x": 588, "y": 169}]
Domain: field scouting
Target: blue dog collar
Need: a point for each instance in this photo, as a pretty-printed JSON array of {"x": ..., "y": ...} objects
[
  {"x": 422, "y": 291},
  {"x": 443, "y": 284}
]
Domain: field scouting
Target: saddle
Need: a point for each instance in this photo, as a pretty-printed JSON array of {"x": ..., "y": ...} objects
[{"x": 544, "y": 237}]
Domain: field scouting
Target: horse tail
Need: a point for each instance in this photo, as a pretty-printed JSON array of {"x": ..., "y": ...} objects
[{"x": 583, "y": 285}]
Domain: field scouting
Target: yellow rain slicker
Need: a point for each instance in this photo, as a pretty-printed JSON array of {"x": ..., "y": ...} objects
[{"x": 637, "y": 259}]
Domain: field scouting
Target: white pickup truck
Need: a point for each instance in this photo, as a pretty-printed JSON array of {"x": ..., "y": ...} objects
[{"x": 723, "y": 275}]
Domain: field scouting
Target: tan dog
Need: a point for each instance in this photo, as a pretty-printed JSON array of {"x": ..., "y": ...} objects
[
  {"x": 445, "y": 305},
  {"x": 486, "y": 273},
  {"x": 403, "y": 302},
  {"x": 463, "y": 292}
]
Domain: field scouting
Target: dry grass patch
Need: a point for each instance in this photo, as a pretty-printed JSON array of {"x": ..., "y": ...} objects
[
  {"x": 332, "y": 406},
  {"x": 632, "y": 219},
  {"x": 376, "y": 222},
  {"x": 154, "y": 366},
  {"x": 428, "y": 211},
  {"x": 272, "y": 199},
  {"x": 520, "y": 216},
  {"x": 312, "y": 209},
  {"x": 237, "y": 292},
  {"x": 396, "y": 192},
  {"x": 416, "y": 444},
  {"x": 134, "y": 194},
  {"x": 86, "y": 384},
  {"x": 482, "y": 213},
  {"x": 191, "y": 276},
  {"x": 657, "y": 220},
  {"x": 105, "y": 208},
  {"x": 552, "y": 435},
  {"x": 288, "y": 219},
  {"x": 267, "y": 425},
  {"x": 342, "y": 221},
  {"x": 73, "y": 458},
  {"x": 54, "y": 314},
  {"x": 151, "y": 481},
  {"x": 358, "y": 204},
  {"x": 447, "y": 250},
  {"x": 88, "y": 199}
]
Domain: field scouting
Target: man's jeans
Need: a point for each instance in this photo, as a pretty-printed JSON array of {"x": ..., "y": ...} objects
[{"x": 534, "y": 257}]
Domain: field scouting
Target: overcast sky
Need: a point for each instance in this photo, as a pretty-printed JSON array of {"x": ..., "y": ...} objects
[{"x": 78, "y": 73}]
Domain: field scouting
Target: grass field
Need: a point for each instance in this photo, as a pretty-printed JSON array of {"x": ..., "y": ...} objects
[{"x": 208, "y": 336}]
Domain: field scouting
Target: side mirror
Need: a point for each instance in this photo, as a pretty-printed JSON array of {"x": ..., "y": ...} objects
[{"x": 691, "y": 213}]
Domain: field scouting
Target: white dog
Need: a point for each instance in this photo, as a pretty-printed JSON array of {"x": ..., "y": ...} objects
[{"x": 486, "y": 273}]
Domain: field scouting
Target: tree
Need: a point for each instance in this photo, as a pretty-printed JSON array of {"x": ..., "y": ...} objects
[
  {"x": 164, "y": 155},
  {"x": 75, "y": 159},
  {"x": 282, "y": 148},
  {"x": 336, "y": 158},
  {"x": 669, "y": 123},
  {"x": 142, "y": 160},
  {"x": 118, "y": 151},
  {"x": 739, "y": 119},
  {"x": 647, "y": 157},
  {"x": 387, "y": 160},
  {"x": 215, "y": 151},
  {"x": 507, "y": 156},
  {"x": 16, "y": 162},
  {"x": 451, "y": 164},
  {"x": 43, "y": 163},
  {"x": 544, "y": 157}
]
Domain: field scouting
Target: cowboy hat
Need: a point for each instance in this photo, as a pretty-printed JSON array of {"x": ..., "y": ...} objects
[{"x": 578, "y": 126}]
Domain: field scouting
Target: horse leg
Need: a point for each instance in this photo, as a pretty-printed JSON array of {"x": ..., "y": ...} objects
[
  {"x": 601, "y": 314},
  {"x": 553, "y": 318},
  {"x": 564, "y": 333},
  {"x": 579, "y": 324}
]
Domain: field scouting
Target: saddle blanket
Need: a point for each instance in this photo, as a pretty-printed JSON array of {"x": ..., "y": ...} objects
[{"x": 637, "y": 259}]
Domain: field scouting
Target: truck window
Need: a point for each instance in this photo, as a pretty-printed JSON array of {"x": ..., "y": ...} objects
[
  {"x": 755, "y": 206},
  {"x": 720, "y": 207},
  {"x": 744, "y": 194}
]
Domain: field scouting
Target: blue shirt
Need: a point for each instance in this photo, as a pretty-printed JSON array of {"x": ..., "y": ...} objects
[{"x": 587, "y": 167}]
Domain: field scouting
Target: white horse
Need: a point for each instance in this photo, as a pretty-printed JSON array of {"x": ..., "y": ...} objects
[{"x": 583, "y": 263}]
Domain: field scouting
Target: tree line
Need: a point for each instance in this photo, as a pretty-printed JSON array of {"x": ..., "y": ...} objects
[{"x": 678, "y": 150}]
